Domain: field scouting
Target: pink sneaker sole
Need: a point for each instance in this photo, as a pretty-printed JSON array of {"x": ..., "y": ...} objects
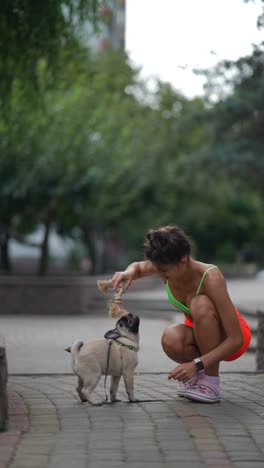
[{"x": 202, "y": 392}]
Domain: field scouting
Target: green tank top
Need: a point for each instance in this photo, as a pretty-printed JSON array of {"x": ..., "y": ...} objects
[{"x": 180, "y": 305}]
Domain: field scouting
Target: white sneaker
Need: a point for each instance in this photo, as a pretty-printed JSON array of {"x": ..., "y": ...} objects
[
  {"x": 183, "y": 387},
  {"x": 204, "y": 392}
]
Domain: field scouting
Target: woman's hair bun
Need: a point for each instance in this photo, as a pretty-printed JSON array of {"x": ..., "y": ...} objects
[
  {"x": 167, "y": 244},
  {"x": 157, "y": 239},
  {"x": 161, "y": 239}
]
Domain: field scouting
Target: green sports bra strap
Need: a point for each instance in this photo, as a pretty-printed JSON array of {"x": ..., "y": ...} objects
[{"x": 202, "y": 279}]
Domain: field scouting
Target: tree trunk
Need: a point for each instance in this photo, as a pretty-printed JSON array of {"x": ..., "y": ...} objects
[
  {"x": 44, "y": 257},
  {"x": 89, "y": 242},
  {"x": 99, "y": 243},
  {"x": 95, "y": 242},
  {"x": 5, "y": 263}
]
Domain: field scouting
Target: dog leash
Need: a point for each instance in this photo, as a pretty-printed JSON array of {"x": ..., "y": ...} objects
[{"x": 110, "y": 342}]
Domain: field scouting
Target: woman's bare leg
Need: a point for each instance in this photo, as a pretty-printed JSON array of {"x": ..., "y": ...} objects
[
  {"x": 208, "y": 332},
  {"x": 178, "y": 343},
  {"x": 183, "y": 344}
]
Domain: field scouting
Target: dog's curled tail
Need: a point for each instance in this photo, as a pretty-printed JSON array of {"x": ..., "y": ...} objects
[{"x": 75, "y": 347}]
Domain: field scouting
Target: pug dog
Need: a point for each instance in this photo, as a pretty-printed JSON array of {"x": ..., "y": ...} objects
[{"x": 93, "y": 359}]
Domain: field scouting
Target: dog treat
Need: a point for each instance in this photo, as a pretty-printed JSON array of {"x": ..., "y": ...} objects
[{"x": 115, "y": 305}]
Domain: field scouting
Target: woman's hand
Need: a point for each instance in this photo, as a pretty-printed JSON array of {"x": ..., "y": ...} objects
[
  {"x": 183, "y": 372},
  {"x": 125, "y": 277},
  {"x": 134, "y": 271}
]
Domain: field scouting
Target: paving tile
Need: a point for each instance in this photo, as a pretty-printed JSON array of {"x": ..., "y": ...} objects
[{"x": 63, "y": 433}]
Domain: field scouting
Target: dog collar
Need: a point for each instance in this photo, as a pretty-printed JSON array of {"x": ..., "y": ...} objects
[{"x": 120, "y": 345}]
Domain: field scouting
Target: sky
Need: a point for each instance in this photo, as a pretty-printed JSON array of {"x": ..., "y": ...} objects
[{"x": 168, "y": 38}]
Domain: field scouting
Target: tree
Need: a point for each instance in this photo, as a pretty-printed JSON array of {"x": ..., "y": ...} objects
[
  {"x": 32, "y": 34},
  {"x": 236, "y": 139},
  {"x": 238, "y": 119},
  {"x": 71, "y": 152},
  {"x": 32, "y": 30}
]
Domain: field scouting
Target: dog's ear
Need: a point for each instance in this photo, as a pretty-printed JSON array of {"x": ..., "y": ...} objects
[
  {"x": 68, "y": 349},
  {"x": 112, "y": 335}
]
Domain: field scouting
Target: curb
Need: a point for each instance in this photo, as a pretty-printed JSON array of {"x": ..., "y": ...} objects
[
  {"x": 3, "y": 383},
  {"x": 17, "y": 424}
]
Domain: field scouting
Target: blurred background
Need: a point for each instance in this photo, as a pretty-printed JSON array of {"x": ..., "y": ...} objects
[{"x": 117, "y": 116}]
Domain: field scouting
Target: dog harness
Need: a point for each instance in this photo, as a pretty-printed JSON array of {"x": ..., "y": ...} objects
[{"x": 120, "y": 346}]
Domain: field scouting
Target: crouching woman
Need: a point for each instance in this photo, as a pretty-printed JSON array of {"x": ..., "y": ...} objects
[{"x": 213, "y": 329}]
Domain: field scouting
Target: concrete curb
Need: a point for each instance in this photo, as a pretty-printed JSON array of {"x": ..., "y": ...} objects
[
  {"x": 3, "y": 383},
  {"x": 16, "y": 425}
]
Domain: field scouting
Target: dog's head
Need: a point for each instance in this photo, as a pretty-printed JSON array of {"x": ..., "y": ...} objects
[{"x": 127, "y": 327}]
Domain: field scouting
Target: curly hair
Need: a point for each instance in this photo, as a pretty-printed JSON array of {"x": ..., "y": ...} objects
[{"x": 167, "y": 244}]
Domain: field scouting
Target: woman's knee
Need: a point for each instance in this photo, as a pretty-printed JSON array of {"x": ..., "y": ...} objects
[
  {"x": 172, "y": 341},
  {"x": 202, "y": 308}
]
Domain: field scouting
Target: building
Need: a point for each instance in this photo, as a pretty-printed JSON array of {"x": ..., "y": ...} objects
[{"x": 110, "y": 32}]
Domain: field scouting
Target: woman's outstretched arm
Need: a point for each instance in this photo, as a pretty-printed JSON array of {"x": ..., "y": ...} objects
[{"x": 135, "y": 270}]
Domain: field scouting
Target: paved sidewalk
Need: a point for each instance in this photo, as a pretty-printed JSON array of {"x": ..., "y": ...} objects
[
  {"x": 164, "y": 432},
  {"x": 49, "y": 428}
]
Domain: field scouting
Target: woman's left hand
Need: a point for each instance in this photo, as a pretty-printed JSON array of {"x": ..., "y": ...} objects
[{"x": 183, "y": 372}]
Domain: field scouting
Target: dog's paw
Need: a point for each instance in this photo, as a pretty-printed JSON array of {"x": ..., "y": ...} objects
[
  {"x": 82, "y": 398},
  {"x": 135, "y": 400},
  {"x": 115, "y": 400},
  {"x": 95, "y": 401}
]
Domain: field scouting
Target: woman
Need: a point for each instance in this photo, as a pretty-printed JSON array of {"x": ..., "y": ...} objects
[{"x": 213, "y": 329}]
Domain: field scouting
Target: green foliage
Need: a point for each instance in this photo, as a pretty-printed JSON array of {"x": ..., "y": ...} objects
[
  {"x": 236, "y": 146},
  {"x": 31, "y": 30},
  {"x": 237, "y": 119},
  {"x": 80, "y": 151}
]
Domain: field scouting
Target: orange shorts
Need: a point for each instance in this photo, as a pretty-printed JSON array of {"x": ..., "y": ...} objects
[{"x": 246, "y": 336}]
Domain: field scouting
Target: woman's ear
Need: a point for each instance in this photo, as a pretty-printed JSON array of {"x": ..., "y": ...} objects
[{"x": 184, "y": 260}]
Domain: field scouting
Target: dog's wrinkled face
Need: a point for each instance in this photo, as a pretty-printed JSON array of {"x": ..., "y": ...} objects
[{"x": 127, "y": 325}]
